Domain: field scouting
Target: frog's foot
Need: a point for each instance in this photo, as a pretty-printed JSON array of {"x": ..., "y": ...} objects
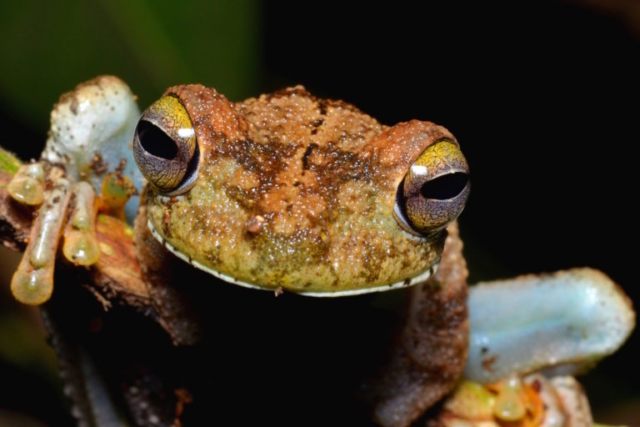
[{"x": 32, "y": 283}]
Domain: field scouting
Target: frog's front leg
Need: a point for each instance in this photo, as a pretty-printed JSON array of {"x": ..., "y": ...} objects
[
  {"x": 172, "y": 308},
  {"x": 557, "y": 324},
  {"x": 429, "y": 358},
  {"x": 91, "y": 128}
]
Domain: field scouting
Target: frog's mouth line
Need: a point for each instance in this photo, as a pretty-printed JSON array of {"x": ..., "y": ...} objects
[{"x": 421, "y": 278}]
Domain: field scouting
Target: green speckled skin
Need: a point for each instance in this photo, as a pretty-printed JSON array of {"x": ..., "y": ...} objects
[{"x": 297, "y": 192}]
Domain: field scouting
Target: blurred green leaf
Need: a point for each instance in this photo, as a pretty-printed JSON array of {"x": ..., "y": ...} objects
[
  {"x": 48, "y": 48},
  {"x": 8, "y": 162}
]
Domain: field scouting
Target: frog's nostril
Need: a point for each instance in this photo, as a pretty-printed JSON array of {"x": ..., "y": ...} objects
[
  {"x": 155, "y": 142},
  {"x": 445, "y": 187}
]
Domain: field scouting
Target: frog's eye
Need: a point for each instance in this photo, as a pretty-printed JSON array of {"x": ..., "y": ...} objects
[
  {"x": 165, "y": 147},
  {"x": 434, "y": 190}
]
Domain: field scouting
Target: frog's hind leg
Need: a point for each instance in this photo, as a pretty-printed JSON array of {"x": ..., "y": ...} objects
[{"x": 430, "y": 356}]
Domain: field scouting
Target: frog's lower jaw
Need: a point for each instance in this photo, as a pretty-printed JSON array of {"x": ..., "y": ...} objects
[{"x": 420, "y": 278}]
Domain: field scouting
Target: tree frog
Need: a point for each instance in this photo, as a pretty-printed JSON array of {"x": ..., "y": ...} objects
[{"x": 291, "y": 193}]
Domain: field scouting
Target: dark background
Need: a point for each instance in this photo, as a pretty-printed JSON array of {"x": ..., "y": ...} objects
[{"x": 542, "y": 96}]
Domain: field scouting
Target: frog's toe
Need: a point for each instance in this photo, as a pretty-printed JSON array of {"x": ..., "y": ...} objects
[
  {"x": 116, "y": 189},
  {"x": 81, "y": 245},
  {"x": 533, "y": 400},
  {"x": 27, "y": 185},
  {"x": 32, "y": 283}
]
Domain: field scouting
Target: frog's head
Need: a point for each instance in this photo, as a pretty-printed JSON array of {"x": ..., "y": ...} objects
[{"x": 292, "y": 191}]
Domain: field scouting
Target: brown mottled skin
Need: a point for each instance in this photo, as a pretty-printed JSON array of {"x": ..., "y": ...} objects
[{"x": 297, "y": 192}]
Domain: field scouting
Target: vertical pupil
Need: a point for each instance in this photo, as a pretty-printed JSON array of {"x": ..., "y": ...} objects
[{"x": 155, "y": 142}]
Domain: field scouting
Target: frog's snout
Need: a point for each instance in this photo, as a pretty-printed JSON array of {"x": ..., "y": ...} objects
[
  {"x": 434, "y": 190},
  {"x": 165, "y": 147}
]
